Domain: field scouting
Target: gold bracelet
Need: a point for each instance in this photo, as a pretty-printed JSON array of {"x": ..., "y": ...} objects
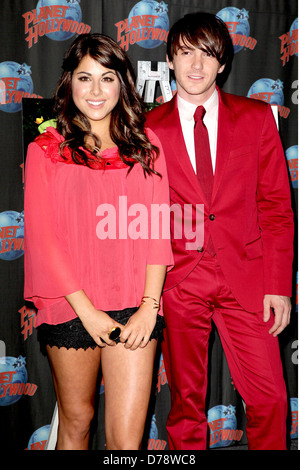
[{"x": 155, "y": 302}]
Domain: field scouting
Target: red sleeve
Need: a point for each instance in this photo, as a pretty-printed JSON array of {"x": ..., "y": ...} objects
[
  {"x": 275, "y": 214},
  {"x": 48, "y": 264},
  {"x": 160, "y": 251}
]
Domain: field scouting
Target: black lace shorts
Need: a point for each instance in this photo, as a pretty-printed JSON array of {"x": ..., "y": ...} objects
[{"x": 72, "y": 334}]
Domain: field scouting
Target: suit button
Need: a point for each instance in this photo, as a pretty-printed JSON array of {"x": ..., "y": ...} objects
[
  {"x": 200, "y": 249},
  {"x": 212, "y": 217}
]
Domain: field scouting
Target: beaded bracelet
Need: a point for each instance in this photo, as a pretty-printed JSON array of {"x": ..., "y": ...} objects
[{"x": 155, "y": 302}]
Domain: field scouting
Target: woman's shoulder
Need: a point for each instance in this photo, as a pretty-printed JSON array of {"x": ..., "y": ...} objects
[
  {"x": 152, "y": 136},
  {"x": 49, "y": 137},
  {"x": 49, "y": 141}
]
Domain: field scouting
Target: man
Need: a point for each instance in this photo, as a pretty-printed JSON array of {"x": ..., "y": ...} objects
[{"x": 240, "y": 276}]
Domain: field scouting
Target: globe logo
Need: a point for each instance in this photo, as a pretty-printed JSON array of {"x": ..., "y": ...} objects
[
  {"x": 294, "y": 411},
  {"x": 238, "y": 26},
  {"x": 11, "y": 235},
  {"x": 12, "y": 373},
  {"x": 153, "y": 434},
  {"x": 294, "y": 27},
  {"x": 222, "y": 426},
  {"x": 158, "y": 31},
  {"x": 154, "y": 443},
  {"x": 292, "y": 160},
  {"x": 268, "y": 90},
  {"x": 39, "y": 438},
  {"x": 16, "y": 83},
  {"x": 73, "y": 14}
]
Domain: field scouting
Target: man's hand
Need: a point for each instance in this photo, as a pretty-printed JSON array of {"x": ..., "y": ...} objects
[{"x": 281, "y": 306}]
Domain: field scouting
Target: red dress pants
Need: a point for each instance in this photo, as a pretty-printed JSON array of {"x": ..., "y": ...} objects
[{"x": 252, "y": 354}]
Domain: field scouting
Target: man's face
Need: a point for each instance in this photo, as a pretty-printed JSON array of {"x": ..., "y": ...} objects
[{"x": 195, "y": 72}]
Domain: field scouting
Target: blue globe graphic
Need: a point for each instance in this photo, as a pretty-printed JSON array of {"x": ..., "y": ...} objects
[
  {"x": 40, "y": 435},
  {"x": 153, "y": 434},
  {"x": 73, "y": 13},
  {"x": 235, "y": 15},
  {"x": 292, "y": 154},
  {"x": 222, "y": 412},
  {"x": 20, "y": 80},
  {"x": 12, "y": 219},
  {"x": 294, "y": 407},
  {"x": 152, "y": 8},
  {"x": 294, "y": 27},
  {"x": 263, "y": 86},
  {"x": 16, "y": 365}
]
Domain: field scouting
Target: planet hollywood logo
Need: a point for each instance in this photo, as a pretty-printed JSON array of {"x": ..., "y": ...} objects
[
  {"x": 147, "y": 25},
  {"x": 294, "y": 418},
  {"x": 15, "y": 84},
  {"x": 28, "y": 321},
  {"x": 161, "y": 375},
  {"x": 222, "y": 425},
  {"x": 154, "y": 443},
  {"x": 238, "y": 26},
  {"x": 13, "y": 380},
  {"x": 38, "y": 439},
  {"x": 292, "y": 159},
  {"x": 289, "y": 43},
  {"x": 58, "y": 20},
  {"x": 11, "y": 235},
  {"x": 270, "y": 91}
]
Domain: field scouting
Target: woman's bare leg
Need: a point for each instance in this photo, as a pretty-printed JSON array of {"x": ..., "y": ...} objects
[
  {"x": 127, "y": 379},
  {"x": 75, "y": 375}
]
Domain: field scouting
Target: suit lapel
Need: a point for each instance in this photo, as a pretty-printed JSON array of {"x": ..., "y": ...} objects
[
  {"x": 226, "y": 123},
  {"x": 178, "y": 147}
]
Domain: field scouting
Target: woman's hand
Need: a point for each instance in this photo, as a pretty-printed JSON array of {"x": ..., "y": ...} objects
[
  {"x": 139, "y": 327},
  {"x": 96, "y": 322},
  {"x": 99, "y": 325}
]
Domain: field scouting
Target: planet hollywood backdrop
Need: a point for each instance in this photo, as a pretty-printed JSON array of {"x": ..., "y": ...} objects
[{"x": 34, "y": 37}]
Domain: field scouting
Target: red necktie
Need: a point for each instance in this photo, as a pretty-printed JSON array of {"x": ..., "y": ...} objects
[
  {"x": 203, "y": 161},
  {"x": 202, "y": 153}
]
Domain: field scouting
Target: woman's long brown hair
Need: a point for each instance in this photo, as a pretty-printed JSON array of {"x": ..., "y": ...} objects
[{"x": 127, "y": 118}]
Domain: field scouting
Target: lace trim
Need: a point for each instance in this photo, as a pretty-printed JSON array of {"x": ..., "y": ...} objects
[{"x": 72, "y": 334}]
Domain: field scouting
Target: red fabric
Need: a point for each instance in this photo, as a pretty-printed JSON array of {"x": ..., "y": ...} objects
[
  {"x": 252, "y": 227},
  {"x": 250, "y": 222},
  {"x": 50, "y": 140},
  {"x": 202, "y": 153},
  {"x": 203, "y": 162},
  {"x": 253, "y": 358},
  {"x": 63, "y": 252}
]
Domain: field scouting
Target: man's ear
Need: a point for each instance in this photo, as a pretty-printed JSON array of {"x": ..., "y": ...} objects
[
  {"x": 221, "y": 68},
  {"x": 170, "y": 64}
]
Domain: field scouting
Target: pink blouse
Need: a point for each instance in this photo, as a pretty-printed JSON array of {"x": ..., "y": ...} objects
[{"x": 91, "y": 229}]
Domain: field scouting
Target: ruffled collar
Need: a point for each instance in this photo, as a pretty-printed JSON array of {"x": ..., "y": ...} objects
[{"x": 50, "y": 141}]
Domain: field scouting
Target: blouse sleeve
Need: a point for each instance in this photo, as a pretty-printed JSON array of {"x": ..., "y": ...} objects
[
  {"x": 47, "y": 263},
  {"x": 160, "y": 251}
]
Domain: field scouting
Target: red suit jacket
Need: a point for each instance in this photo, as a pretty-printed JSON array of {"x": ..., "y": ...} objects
[{"x": 252, "y": 222}]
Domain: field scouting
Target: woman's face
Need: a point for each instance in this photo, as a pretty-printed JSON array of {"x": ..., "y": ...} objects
[{"x": 95, "y": 91}]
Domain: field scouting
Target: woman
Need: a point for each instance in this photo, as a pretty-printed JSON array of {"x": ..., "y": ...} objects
[{"x": 87, "y": 275}]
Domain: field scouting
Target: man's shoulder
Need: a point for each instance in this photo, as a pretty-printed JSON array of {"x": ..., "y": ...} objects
[
  {"x": 158, "y": 114},
  {"x": 242, "y": 102}
]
